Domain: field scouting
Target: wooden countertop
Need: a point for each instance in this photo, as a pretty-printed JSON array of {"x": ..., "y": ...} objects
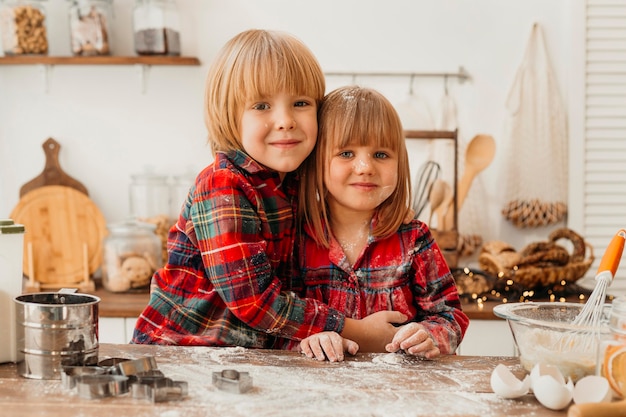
[
  {"x": 286, "y": 384},
  {"x": 132, "y": 304},
  {"x": 121, "y": 304}
]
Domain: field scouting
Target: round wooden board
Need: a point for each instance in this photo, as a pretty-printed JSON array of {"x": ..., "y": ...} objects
[{"x": 59, "y": 221}]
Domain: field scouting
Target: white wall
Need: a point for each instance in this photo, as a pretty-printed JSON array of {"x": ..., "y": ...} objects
[{"x": 109, "y": 129}]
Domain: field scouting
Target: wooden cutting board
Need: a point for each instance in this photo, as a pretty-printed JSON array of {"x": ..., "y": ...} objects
[
  {"x": 66, "y": 230},
  {"x": 52, "y": 174}
]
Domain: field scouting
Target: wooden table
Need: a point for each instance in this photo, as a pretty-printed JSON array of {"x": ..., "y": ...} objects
[{"x": 286, "y": 384}]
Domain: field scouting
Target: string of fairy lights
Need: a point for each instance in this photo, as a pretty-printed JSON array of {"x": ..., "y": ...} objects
[{"x": 504, "y": 289}]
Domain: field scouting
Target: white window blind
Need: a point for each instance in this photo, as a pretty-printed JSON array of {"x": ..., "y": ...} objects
[{"x": 604, "y": 177}]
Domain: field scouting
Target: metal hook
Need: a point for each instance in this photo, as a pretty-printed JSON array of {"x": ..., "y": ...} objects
[
  {"x": 411, "y": 84},
  {"x": 445, "y": 84}
]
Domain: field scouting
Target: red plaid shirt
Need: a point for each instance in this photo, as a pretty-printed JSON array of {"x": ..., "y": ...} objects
[
  {"x": 229, "y": 274},
  {"x": 405, "y": 272}
]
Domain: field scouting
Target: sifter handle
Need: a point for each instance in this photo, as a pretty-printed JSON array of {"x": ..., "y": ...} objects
[{"x": 613, "y": 254}]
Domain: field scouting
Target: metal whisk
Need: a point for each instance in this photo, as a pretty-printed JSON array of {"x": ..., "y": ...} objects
[{"x": 589, "y": 317}]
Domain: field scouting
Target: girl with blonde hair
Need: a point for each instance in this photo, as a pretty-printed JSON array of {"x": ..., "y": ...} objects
[{"x": 357, "y": 253}]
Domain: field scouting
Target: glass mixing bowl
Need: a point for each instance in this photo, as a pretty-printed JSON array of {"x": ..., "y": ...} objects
[{"x": 544, "y": 333}]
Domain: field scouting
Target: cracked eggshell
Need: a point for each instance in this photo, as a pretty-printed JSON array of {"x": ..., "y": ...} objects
[
  {"x": 542, "y": 369},
  {"x": 506, "y": 385},
  {"x": 553, "y": 393},
  {"x": 592, "y": 389}
]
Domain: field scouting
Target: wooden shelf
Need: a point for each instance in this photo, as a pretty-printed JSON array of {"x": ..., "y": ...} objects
[
  {"x": 142, "y": 63},
  {"x": 98, "y": 60}
]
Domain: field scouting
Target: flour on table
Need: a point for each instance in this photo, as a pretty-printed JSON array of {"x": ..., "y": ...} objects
[{"x": 390, "y": 358}]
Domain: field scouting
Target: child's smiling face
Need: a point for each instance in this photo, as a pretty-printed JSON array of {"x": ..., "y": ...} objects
[
  {"x": 359, "y": 178},
  {"x": 279, "y": 131}
]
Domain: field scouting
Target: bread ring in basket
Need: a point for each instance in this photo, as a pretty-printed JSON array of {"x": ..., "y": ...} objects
[
  {"x": 544, "y": 252},
  {"x": 578, "y": 254},
  {"x": 496, "y": 247}
]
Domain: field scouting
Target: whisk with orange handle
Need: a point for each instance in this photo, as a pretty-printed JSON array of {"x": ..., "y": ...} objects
[
  {"x": 591, "y": 313},
  {"x": 586, "y": 325}
]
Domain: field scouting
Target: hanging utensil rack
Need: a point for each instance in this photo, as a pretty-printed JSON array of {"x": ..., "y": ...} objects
[{"x": 462, "y": 75}]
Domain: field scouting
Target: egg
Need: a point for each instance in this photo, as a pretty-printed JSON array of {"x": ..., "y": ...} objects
[
  {"x": 506, "y": 385},
  {"x": 542, "y": 369},
  {"x": 592, "y": 389},
  {"x": 553, "y": 393}
]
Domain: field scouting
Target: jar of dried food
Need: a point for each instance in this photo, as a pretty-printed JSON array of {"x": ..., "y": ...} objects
[
  {"x": 156, "y": 27},
  {"x": 90, "y": 23},
  {"x": 23, "y": 27},
  {"x": 132, "y": 253}
]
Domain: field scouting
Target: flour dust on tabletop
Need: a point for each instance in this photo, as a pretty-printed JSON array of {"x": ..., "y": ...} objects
[
  {"x": 391, "y": 359},
  {"x": 322, "y": 391}
]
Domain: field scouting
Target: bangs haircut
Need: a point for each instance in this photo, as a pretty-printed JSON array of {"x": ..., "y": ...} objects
[
  {"x": 357, "y": 116},
  {"x": 253, "y": 65}
]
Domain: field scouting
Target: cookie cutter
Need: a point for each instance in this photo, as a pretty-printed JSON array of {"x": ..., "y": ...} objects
[
  {"x": 110, "y": 364},
  {"x": 101, "y": 386},
  {"x": 136, "y": 366},
  {"x": 158, "y": 388},
  {"x": 233, "y": 381},
  {"x": 71, "y": 373}
]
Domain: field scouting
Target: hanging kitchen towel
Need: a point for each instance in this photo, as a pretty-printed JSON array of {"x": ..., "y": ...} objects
[{"x": 536, "y": 169}]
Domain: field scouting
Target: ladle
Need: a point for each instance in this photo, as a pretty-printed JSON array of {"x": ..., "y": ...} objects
[{"x": 478, "y": 155}]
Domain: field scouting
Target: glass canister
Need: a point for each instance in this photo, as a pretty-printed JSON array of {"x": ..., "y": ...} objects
[
  {"x": 149, "y": 196},
  {"x": 150, "y": 202},
  {"x": 612, "y": 351},
  {"x": 132, "y": 253},
  {"x": 90, "y": 23},
  {"x": 180, "y": 186},
  {"x": 156, "y": 26},
  {"x": 23, "y": 27}
]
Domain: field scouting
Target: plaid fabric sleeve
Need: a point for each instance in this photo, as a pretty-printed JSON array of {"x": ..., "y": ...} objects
[
  {"x": 244, "y": 232},
  {"x": 435, "y": 294}
]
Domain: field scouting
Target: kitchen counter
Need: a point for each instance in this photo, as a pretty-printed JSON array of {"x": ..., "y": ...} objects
[
  {"x": 132, "y": 305},
  {"x": 286, "y": 384}
]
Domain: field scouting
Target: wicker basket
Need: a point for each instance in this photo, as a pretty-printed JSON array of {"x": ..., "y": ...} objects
[
  {"x": 505, "y": 263},
  {"x": 531, "y": 276}
]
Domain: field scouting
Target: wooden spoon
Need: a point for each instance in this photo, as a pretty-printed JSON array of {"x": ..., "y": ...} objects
[
  {"x": 478, "y": 155},
  {"x": 436, "y": 196},
  {"x": 443, "y": 208}
]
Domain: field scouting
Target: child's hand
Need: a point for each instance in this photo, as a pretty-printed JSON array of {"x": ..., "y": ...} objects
[
  {"x": 374, "y": 332},
  {"x": 328, "y": 345},
  {"x": 414, "y": 339}
]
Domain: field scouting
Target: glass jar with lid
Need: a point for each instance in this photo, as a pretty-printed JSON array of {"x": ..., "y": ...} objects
[
  {"x": 149, "y": 195},
  {"x": 150, "y": 202},
  {"x": 23, "y": 27},
  {"x": 90, "y": 26},
  {"x": 132, "y": 253},
  {"x": 180, "y": 186},
  {"x": 156, "y": 27}
]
